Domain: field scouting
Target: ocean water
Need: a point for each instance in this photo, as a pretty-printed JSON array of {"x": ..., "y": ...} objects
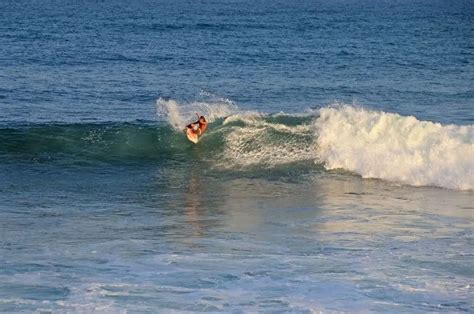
[{"x": 337, "y": 174}]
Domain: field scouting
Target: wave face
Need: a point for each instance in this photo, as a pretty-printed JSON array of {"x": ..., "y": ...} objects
[
  {"x": 370, "y": 143},
  {"x": 86, "y": 143},
  {"x": 396, "y": 148}
]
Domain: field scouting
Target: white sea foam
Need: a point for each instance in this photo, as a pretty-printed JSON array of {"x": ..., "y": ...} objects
[
  {"x": 396, "y": 148},
  {"x": 263, "y": 143}
]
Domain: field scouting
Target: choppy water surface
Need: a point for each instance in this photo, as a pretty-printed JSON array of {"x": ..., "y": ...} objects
[{"x": 336, "y": 175}]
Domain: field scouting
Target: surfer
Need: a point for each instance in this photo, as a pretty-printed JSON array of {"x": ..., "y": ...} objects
[{"x": 198, "y": 127}]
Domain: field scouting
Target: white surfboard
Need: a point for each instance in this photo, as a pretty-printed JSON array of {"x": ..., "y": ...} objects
[{"x": 193, "y": 137}]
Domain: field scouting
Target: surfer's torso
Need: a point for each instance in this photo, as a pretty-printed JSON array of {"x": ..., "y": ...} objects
[{"x": 202, "y": 127}]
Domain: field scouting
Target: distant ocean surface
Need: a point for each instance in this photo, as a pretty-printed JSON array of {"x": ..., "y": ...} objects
[{"x": 337, "y": 173}]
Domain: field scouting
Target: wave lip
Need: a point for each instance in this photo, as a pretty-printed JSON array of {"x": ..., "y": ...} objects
[{"x": 397, "y": 148}]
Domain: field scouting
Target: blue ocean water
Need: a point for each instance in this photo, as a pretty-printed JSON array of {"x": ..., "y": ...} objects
[{"x": 337, "y": 173}]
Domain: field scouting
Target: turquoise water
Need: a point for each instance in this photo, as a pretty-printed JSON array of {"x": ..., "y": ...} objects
[{"x": 336, "y": 175}]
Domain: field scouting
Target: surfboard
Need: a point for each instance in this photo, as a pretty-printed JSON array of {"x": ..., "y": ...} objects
[{"x": 193, "y": 137}]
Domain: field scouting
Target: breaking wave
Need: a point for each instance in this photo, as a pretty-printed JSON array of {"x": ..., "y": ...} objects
[{"x": 373, "y": 144}]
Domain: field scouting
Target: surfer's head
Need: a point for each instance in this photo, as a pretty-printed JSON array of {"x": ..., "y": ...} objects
[{"x": 202, "y": 119}]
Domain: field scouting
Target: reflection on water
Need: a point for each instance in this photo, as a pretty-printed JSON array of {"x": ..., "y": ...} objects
[
  {"x": 189, "y": 198},
  {"x": 194, "y": 205}
]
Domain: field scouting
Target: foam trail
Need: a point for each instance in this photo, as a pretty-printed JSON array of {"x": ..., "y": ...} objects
[
  {"x": 396, "y": 148},
  {"x": 259, "y": 142}
]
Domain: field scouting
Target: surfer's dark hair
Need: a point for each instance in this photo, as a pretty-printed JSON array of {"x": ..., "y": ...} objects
[{"x": 202, "y": 117}]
